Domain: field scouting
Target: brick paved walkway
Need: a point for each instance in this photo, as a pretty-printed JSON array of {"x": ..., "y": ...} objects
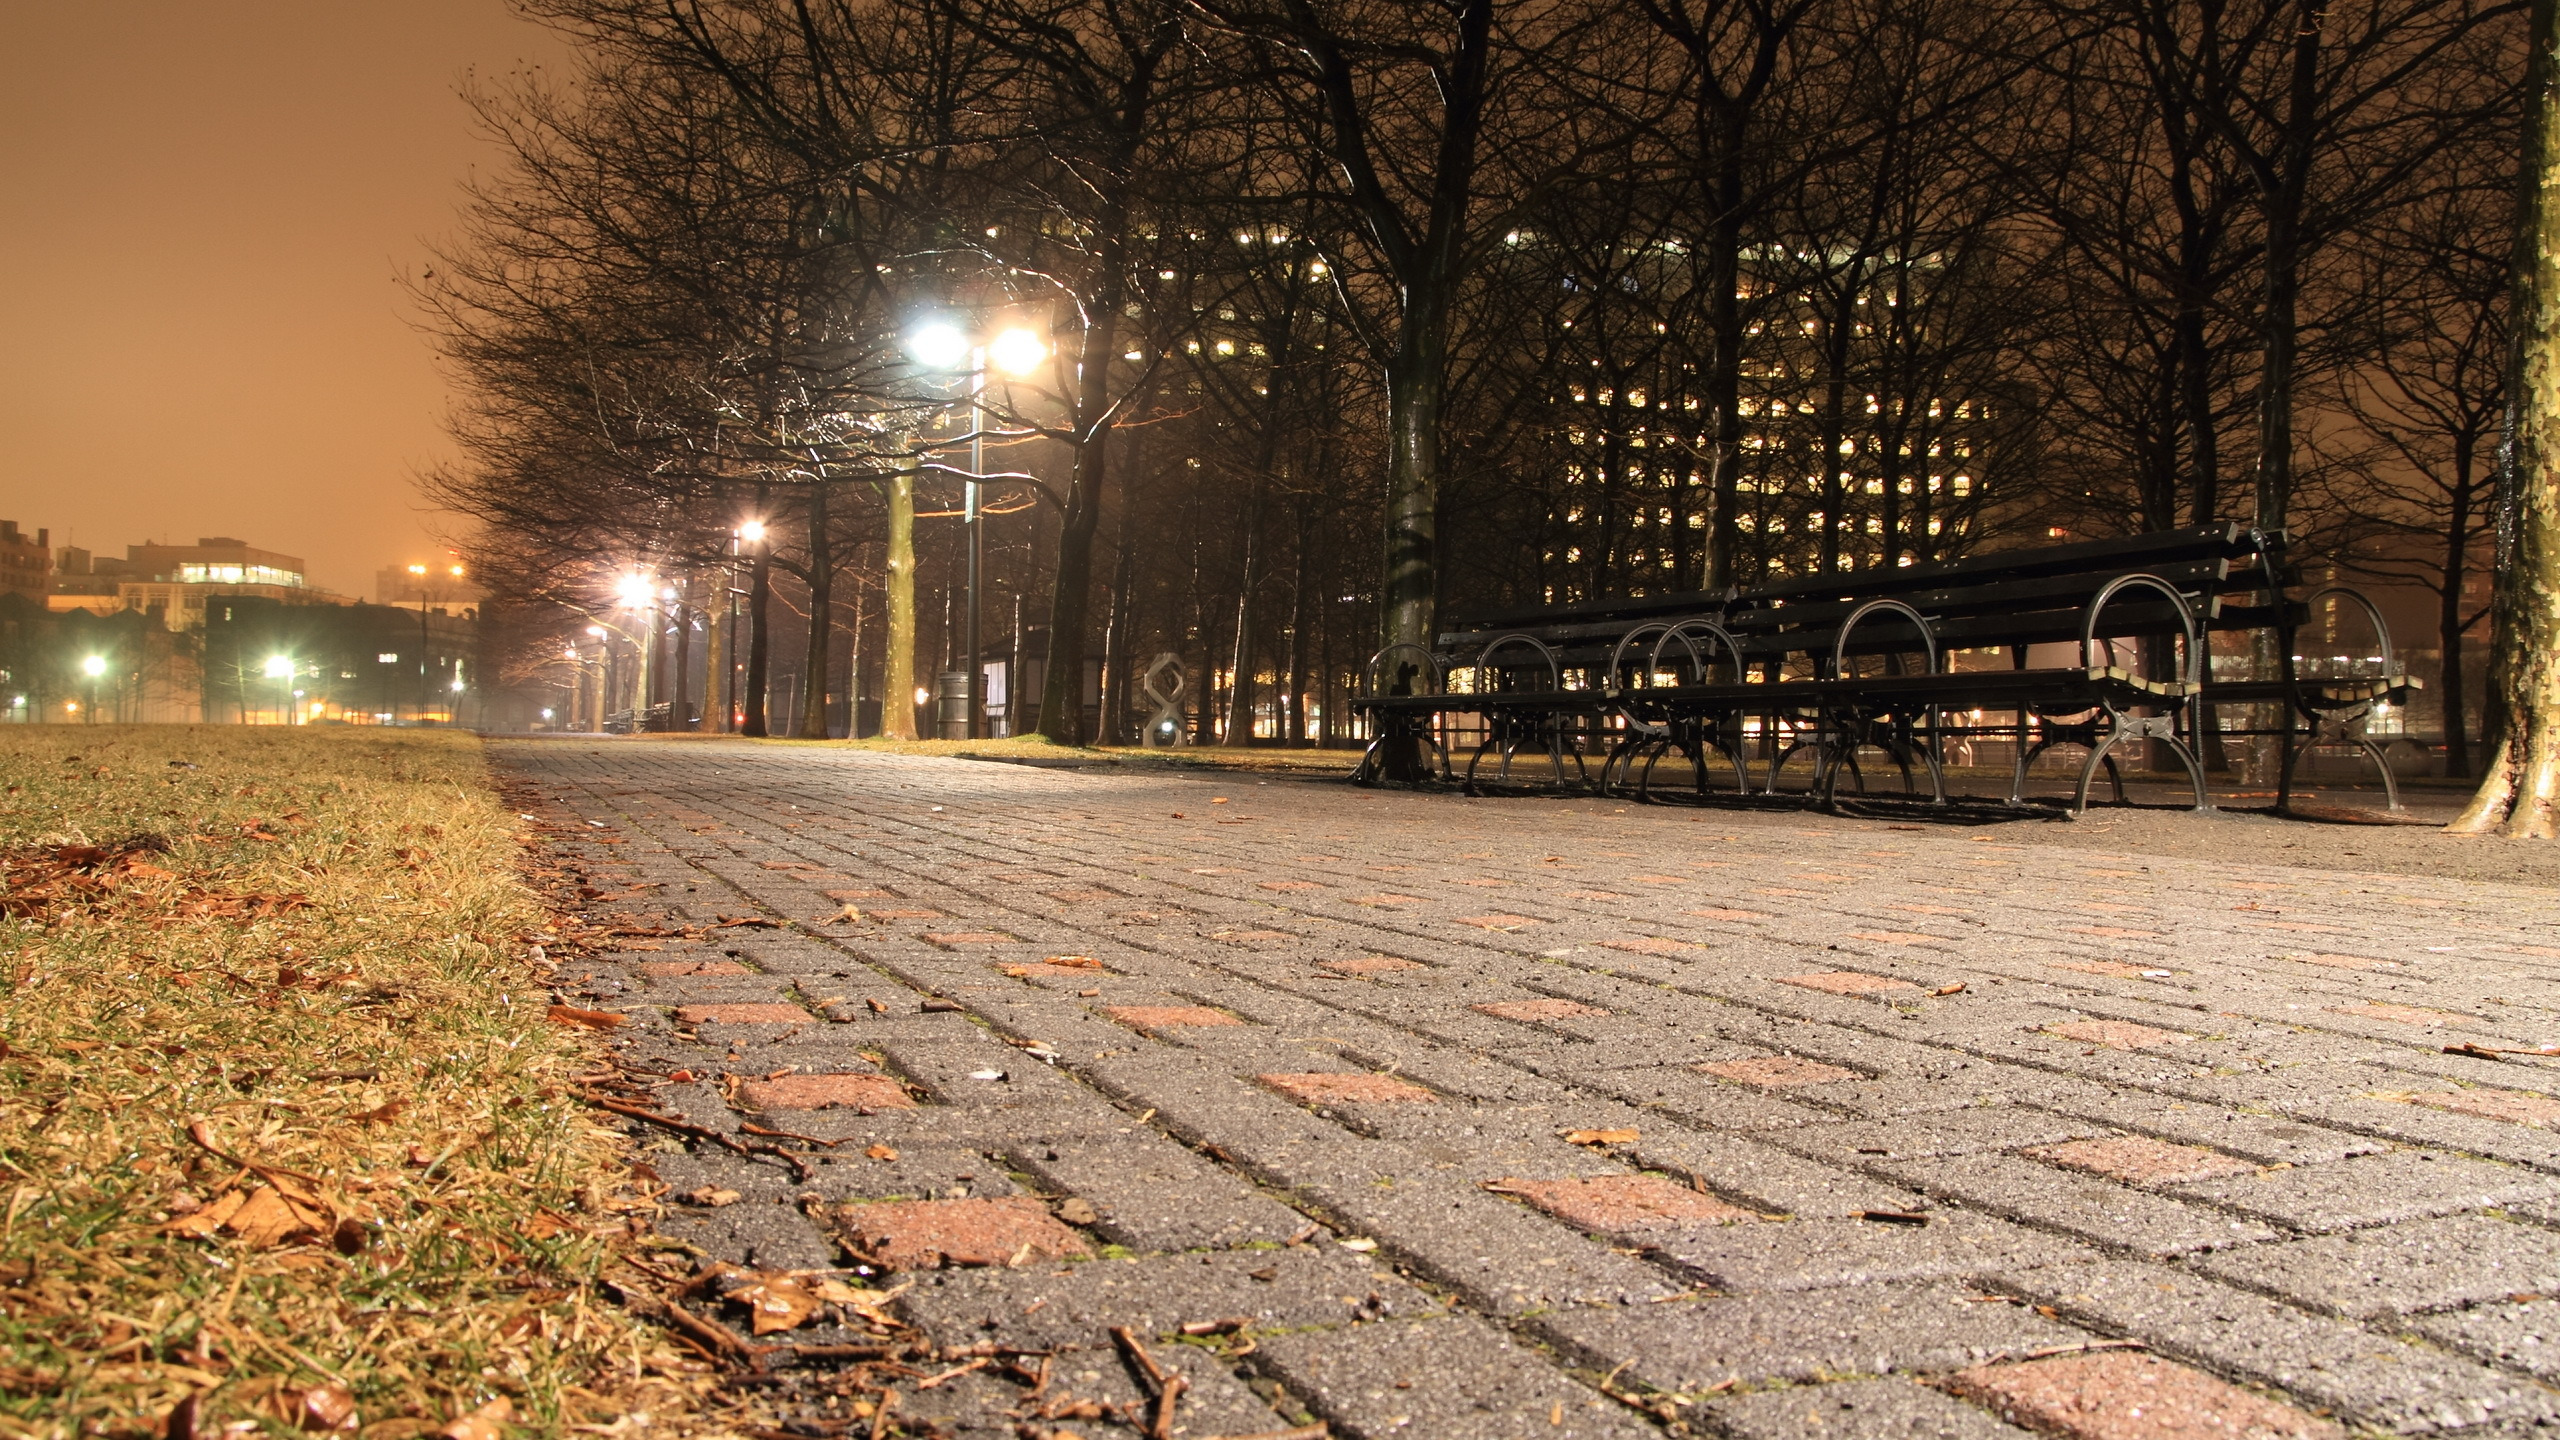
[{"x": 1535, "y": 1118}]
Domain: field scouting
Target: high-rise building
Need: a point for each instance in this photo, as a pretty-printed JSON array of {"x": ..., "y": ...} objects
[{"x": 26, "y": 564}]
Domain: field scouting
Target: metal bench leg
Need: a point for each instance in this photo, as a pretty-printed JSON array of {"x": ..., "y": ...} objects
[
  {"x": 2089, "y": 772},
  {"x": 2195, "y": 771},
  {"x": 2382, "y": 767}
]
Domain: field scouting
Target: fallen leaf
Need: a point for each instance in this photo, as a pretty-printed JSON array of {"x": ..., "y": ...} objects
[
  {"x": 711, "y": 1196},
  {"x": 382, "y": 1114},
  {"x": 848, "y": 915},
  {"x": 1600, "y": 1137},
  {"x": 775, "y": 1302},
  {"x": 881, "y": 1152},
  {"x": 1074, "y": 962},
  {"x": 200, "y": 1224},
  {"x": 326, "y": 1407},
  {"x": 1076, "y": 1210},
  {"x": 483, "y": 1423},
  {"x": 267, "y": 1219},
  {"x": 591, "y": 1019}
]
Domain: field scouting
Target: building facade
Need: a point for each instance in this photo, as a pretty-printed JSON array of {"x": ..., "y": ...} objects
[{"x": 26, "y": 562}]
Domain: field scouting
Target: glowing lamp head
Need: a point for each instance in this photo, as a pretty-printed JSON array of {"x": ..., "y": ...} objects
[
  {"x": 417, "y": 569},
  {"x": 1017, "y": 352},
  {"x": 752, "y": 532},
  {"x": 278, "y": 667},
  {"x": 596, "y": 630},
  {"x": 454, "y": 570},
  {"x": 922, "y": 694},
  {"x": 94, "y": 666},
  {"x": 938, "y": 346},
  {"x": 633, "y": 589}
]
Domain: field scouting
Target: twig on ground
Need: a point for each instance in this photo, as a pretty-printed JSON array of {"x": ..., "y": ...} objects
[{"x": 1168, "y": 1385}]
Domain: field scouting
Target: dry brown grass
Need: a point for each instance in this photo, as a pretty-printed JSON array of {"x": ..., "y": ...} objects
[{"x": 282, "y": 1124}]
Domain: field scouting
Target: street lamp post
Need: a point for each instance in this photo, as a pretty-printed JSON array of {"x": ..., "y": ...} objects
[
  {"x": 93, "y": 667},
  {"x": 639, "y": 592},
  {"x": 750, "y": 533},
  {"x": 1016, "y": 352}
]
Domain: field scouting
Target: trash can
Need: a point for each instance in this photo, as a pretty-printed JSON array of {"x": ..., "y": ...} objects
[{"x": 951, "y": 710}]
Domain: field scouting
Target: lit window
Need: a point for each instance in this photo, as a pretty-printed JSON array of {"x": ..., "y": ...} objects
[{"x": 387, "y": 658}]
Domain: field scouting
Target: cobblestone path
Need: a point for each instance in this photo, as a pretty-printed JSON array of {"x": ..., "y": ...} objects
[{"x": 1525, "y": 1118}]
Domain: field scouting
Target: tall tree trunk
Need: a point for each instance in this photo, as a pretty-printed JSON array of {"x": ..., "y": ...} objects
[
  {"x": 1835, "y": 419},
  {"x": 2520, "y": 794},
  {"x": 1294, "y": 686},
  {"x": 898, "y": 665},
  {"x": 2280, "y": 344},
  {"x": 682, "y": 672},
  {"x": 1118, "y": 665},
  {"x": 822, "y": 576},
  {"x": 2449, "y": 626},
  {"x": 715, "y": 656},
  {"x": 1724, "y": 359},
  {"x": 759, "y": 641},
  {"x": 1241, "y": 691}
]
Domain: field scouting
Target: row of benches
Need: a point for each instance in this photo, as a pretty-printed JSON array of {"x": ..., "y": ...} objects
[{"x": 1832, "y": 667}]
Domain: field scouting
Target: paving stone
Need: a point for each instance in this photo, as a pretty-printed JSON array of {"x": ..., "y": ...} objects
[
  {"x": 2402, "y": 1269},
  {"x": 2423, "y": 1125},
  {"x": 661, "y": 969},
  {"x": 2123, "y": 1396},
  {"x": 1690, "y": 1346},
  {"x": 2515, "y": 1107},
  {"x": 743, "y": 1015},
  {"x": 2141, "y": 1160},
  {"x": 2519, "y": 1334},
  {"x": 1499, "y": 1256},
  {"x": 1452, "y": 1379},
  {"x": 1623, "y": 1204},
  {"x": 1816, "y": 1254},
  {"x": 2373, "y": 1190},
  {"x": 2117, "y": 1034},
  {"x": 1706, "y": 1099},
  {"x": 922, "y": 1234},
  {"x": 1168, "y": 1017},
  {"x": 820, "y": 1092},
  {"x": 1035, "y": 1307},
  {"x": 1960, "y": 1132},
  {"x": 1769, "y": 1179},
  {"x": 1777, "y": 1072},
  {"x": 1347, "y": 1089},
  {"x": 1538, "y": 1010},
  {"x": 1153, "y": 1194},
  {"x": 1368, "y": 965},
  {"x": 2371, "y": 1379},
  {"x": 2094, "y": 1210},
  {"x": 2265, "y": 1139},
  {"x": 1856, "y": 1410},
  {"x": 1850, "y": 982}
]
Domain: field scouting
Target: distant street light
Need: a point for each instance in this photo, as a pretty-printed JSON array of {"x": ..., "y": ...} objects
[
  {"x": 93, "y": 667},
  {"x": 941, "y": 345},
  {"x": 280, "y": 670}
]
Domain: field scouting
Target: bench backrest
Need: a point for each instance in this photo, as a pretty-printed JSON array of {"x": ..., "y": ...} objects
[{"x": 2010, "y": 598}]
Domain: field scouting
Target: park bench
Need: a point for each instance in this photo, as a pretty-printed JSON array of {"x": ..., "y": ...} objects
[{"x": 1826, "y": 667}]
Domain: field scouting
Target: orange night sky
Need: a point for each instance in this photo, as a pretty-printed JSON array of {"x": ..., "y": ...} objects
[{"x": 204, "y": 209}]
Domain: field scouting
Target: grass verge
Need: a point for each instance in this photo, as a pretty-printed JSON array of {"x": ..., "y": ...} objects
[{"x": 286, "y": 1141}]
